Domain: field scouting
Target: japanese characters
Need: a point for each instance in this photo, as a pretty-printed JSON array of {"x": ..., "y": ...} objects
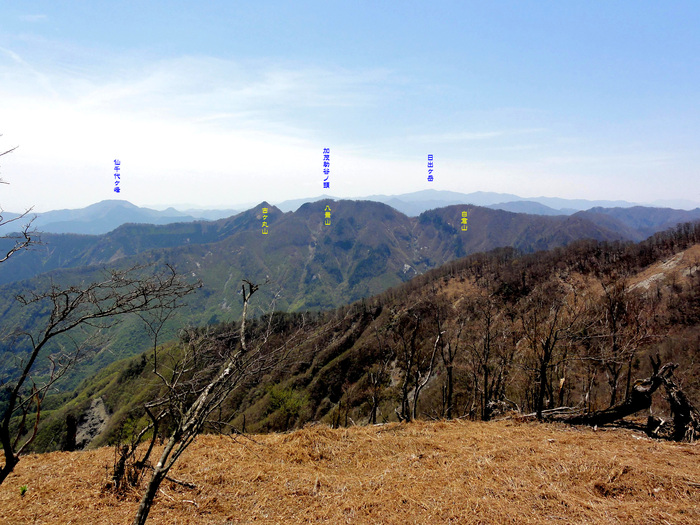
[
  {"x": 430, "y": 168},
  {"x": 264, "y": 221},
  {"x": 326, "y": 166},
  {"x": 117, "y": 175}
]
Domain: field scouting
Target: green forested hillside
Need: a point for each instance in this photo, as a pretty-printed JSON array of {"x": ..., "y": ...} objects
[
  {"x": 479, "y": 321},
  {"x": 367, "y": 248}
]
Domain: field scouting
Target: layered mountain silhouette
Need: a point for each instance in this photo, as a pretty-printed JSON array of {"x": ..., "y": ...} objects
[
  {"x": 326, "y": 250},
  {"x": 415, "y": 203},
  {"x": 638, "y": 222},
  {"x": 367, "y": 248},
  {"x": 107, "y": 215},
  {"x": 410, "y": 245}
]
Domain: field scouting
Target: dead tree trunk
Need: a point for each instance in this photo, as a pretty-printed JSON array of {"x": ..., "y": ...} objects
[
  {"x": 639, "y": 399},
  {"x": 421, "y": 380},
  {"x": 686, "y": 418}
]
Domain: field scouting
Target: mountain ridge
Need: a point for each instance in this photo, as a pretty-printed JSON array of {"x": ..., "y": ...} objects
[
  {"x": 334, "y": 373},
  {"x": 367, "y": 248},
  {"x": 107, "y": 215}
]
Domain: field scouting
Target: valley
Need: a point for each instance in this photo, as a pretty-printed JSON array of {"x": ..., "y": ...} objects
[{"x": 370, "y": 247}]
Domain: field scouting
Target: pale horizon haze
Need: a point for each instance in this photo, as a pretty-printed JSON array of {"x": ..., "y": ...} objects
[{"x": 214, "y": 104}]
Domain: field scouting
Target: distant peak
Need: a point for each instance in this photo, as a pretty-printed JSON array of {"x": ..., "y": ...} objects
[
  {"x": 265, "y": 204},
  {"x": 113, "y": 203}
]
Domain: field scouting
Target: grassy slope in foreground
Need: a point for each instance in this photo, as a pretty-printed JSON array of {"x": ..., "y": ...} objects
[{"x": 445, "y": 472}]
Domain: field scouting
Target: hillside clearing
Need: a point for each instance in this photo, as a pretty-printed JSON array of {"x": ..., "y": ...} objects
[{"x": 444, "y": 472}]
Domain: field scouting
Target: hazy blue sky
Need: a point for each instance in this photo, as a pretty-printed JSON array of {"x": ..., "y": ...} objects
[{"x": 221, "y": 103}]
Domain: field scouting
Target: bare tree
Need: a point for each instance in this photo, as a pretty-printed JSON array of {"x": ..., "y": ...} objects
[
  {"x": 686, "y": 418},
  {"x": 404, "y": 328},
  {"x": 95, "y": 305},
  {"x": 416, "y": 360},
  {"x": 548, "y": 315},
  {"x": 378, "y": 375},
  {"x": 200, "y": 378},
  {"x": 449, "y": 345},
  {"x": 424, "y": 372},
  {"x": 623, "y": 328},
  {"x": 482, "y": 350},
  {"x": 25, "y": 237},
  {"x": 639, "y": 399}
]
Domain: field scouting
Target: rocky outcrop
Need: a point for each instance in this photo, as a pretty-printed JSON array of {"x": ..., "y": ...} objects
[{"x": 91, "y": 423}]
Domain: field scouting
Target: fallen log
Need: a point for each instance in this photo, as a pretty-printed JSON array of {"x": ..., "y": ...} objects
[
  {"x": 639, "y": 399},
  {"x": 550, "y": 414},
  {"x": 686, "y": 418}
]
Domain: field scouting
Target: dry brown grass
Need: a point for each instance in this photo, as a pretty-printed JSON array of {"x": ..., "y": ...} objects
[{"x": 456, "y": 472}]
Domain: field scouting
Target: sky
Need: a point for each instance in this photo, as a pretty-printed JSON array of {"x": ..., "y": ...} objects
[{"x": 214, "y": 104}]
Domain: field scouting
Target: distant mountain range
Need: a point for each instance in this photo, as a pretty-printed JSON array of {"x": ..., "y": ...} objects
[
  {"x": 533, "y": 208},
  {"x": 638, "y": 222},
  {"x": 105, "y": 216},
  {"x": 61, "y": 251},
  {"x": 367, "y": 248},
  {"x": 77, "y": 250},
  {"x": 413, "y": 204},
  {"x": 108, "y": 215}
]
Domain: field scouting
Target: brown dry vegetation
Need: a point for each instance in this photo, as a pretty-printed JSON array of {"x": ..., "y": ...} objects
[
  {"x": 350, "y": 367},
  {"x": 445, "y": 472}
]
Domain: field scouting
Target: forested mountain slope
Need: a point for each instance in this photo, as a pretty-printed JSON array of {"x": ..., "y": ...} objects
[
  {"x": 367, "y": 248},
  {"x": 465, "y": 340}
]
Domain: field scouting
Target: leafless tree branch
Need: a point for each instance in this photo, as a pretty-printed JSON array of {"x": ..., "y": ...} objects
[{"x": 120, "y": 292}]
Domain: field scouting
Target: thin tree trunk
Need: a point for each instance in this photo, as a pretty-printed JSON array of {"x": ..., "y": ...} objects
[
  {"x": 629, "y": 377},
  {"x": 542, "y": 388},
  {"x": 613, "y": 386},
  {"x": 405, "y": 412},
  {"x": 485, "y": 409},
  {"x": 421, "y": 384},
  {"x": 160, "y": 471},
  {"x": 450, "y": 391},
  {"x": 148, "y": 497}
]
